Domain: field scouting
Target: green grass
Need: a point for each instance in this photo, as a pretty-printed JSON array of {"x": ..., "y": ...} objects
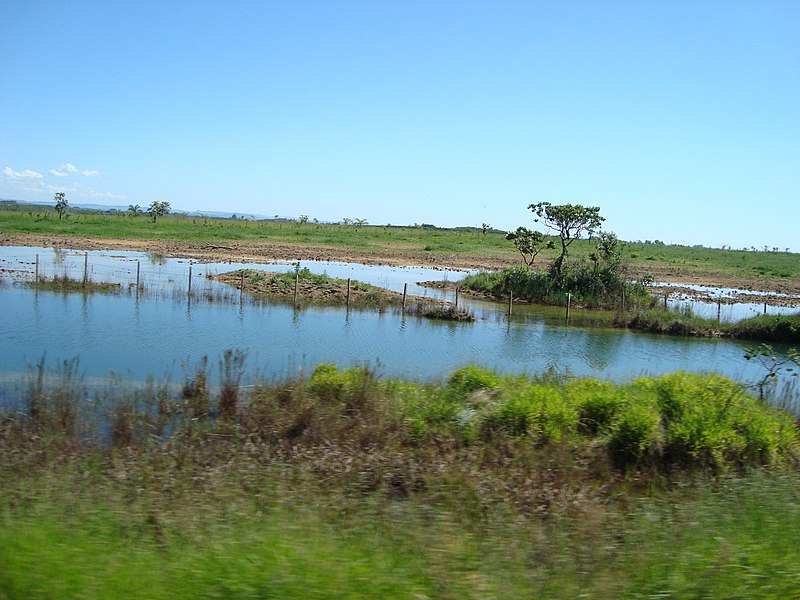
[
  {"x": 345, "y": 485},
  {"x": 768, "y": 328},
  {"x": 376, "y": 238}
]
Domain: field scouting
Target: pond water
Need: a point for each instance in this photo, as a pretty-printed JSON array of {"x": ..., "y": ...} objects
[{"x": 164, "y": 334}]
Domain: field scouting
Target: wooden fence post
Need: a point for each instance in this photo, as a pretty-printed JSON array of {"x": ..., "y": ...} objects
[
  {"x": 36, "y": 273},
  {"x": 85, "y": 268},
  {"x": 189, "y": 293},
  {"x": 405, "y": 293},
  {"x": 569, "y": 301},
  {"x": 348, "y": 292}
]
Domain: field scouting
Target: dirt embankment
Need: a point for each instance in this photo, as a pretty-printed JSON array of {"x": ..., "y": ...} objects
[{"x": 679, "y": 277}]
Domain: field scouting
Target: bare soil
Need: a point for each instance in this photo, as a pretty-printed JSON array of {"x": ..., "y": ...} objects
[{"x": 679, "y": 277}]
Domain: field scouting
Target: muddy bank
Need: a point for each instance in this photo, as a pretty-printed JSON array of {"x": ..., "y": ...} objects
[{"x": 317, "y": 289}]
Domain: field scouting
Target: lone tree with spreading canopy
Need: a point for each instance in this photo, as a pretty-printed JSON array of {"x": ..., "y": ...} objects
[
  {"x": 61, "y": 204},
  {"x": 529, "y": 243},
  {"x": 568, "y": 221}
]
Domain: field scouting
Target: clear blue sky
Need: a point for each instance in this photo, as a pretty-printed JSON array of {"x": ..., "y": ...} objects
[{"x": 680, "y": 119}]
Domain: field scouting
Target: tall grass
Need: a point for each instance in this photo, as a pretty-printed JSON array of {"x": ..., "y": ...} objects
[{"x": 344, "y": 484}]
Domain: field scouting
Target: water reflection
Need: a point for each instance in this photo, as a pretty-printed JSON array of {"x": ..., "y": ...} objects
[{"x": 138, "y": 334}]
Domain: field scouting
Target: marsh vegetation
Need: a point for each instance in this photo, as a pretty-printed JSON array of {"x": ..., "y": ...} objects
[{"x": 342, "y": 482}]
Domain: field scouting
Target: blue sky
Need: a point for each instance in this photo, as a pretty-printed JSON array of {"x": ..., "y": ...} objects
[{"x": 681, "y": 120}]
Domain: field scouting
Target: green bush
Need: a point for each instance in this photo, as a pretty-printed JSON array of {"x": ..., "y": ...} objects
[
  {"x": 635, "y": 434},
  {"x": 599, "y": 404},
  {"x": 466, "y": 380},
  {"x": 539, "y": 411}
]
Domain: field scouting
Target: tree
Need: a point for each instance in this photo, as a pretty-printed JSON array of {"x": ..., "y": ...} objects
[
  {"x": 568, "y": 221},
  {"x": 486, "y": 227},
  {"x": 529, "y": 243},
  {"x": 158, "y": 209},
  {"x": 608, "y": 250},
  {"x": 61, "y": 204},
  {"x": 359, "y": 222},
  {"x": 134, "y": 210}
]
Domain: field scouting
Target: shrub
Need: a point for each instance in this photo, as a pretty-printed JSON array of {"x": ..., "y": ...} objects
[
  {"x": 599, "y": 404},
  {"x": 540, "y": 411},
  {"x": 466, "y": 380},
  {"x": 635, "y": 434}
]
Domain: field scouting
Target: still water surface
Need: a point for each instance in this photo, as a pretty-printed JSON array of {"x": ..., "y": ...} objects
[{"x": 165, "y": 335}]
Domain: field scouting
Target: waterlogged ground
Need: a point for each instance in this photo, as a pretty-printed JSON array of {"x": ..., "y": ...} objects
[
  {"x": 163, "y": 332},
  {"x": 781, "y": 291}
]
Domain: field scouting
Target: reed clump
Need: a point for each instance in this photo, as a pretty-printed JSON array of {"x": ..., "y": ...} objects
[{"x": 65, "y": 284}]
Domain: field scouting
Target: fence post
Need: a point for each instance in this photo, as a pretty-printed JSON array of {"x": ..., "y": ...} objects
[
  {"x": 405, "y": 292},
  {"x": 348, "y": 292},
  {"x": 569, "y": 301},
  {"x": 85, "y": 268},
  {"x": 719, "y": 309},
  {"x": 296, "y": 284},
  {"x": 456, "y": 306},
  {"x": 510, "y": 302},
  {"x": 138, "y": 270},
  {"x": 765, "y": 308},
  {"x": 36, "y": 273},
  {"x": 241, "y": 289},
  {"x": 189, "y": 293}
]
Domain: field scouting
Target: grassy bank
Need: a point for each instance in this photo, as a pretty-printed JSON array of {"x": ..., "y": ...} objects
[
  {"x": 340, "y": 484},
  {"x": 767, "y": 328}
]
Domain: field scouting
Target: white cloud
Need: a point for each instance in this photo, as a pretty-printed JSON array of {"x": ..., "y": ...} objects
[
  {"x": 69, "y": 169},
  {"x": 31, "y": 185},
  {"x": 64, "y": 170},
  {"x": 26, "y": 174}
]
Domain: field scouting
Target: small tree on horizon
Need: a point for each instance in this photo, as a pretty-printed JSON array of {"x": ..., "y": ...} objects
[
  {"x": 158, "y": 209},
  {"x": 61, "y": 204}
]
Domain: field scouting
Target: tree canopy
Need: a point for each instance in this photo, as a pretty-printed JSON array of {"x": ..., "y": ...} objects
[
  {"x": 529, "y": 243},
  {"x": 568, "y": 221},
  {"x": 158, "y": 209},
  {"x": 61, "y": 204}
]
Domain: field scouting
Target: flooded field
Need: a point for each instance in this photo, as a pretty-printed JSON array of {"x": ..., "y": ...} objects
[{"x": 163, "y": 331}]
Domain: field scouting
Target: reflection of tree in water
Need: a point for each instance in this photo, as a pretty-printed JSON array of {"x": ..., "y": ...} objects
[
  {"x": 157, "y": 259},
  {"x": 59, "y": 256}
]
